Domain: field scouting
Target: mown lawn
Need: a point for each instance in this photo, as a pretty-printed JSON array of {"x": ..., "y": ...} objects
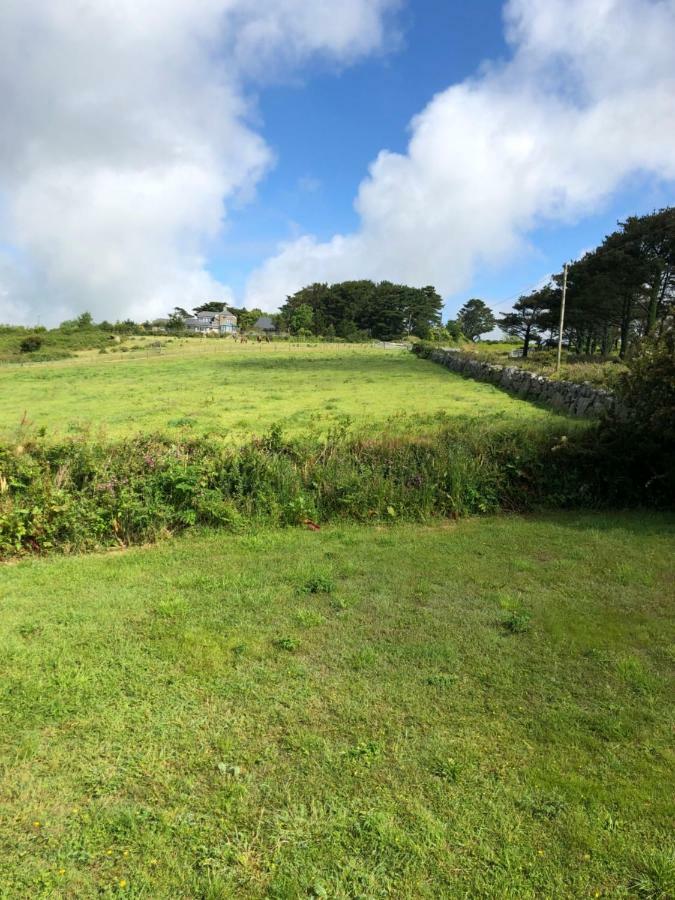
[
  {"x": 474, "y": 710},
  {"x": 222, "y": 389}
]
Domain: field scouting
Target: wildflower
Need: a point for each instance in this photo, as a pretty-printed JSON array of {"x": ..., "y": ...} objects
[
  {"x": 125, "y": 853},
  {"x": 540, "y": 852},
  {"x": 62, "y": 871},
  {"x": 36, "y": 824},
  {"x": 123, "y": 882}
]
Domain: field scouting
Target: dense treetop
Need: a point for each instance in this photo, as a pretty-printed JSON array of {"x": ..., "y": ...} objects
[{"x": 355, "y": 309}]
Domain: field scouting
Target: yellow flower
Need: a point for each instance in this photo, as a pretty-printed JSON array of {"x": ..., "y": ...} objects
[
  {"x": 36, "y": 824},
  {"x": 125, "y": 853},
  {"x": 62, "y": 871},
  {"x": 108, "y": 852},
  {"x": 540, "y": 852},
  {"x": 123, "y": 882}
]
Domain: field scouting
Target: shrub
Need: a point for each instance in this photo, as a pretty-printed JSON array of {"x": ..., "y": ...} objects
[
  {"x": 79, "y": 494},
  {"x": 517, "y": 622},
  {"x": 31, "y": 343}
]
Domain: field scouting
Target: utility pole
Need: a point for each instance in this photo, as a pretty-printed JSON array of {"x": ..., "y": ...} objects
[{"x": 562, "y": 319}]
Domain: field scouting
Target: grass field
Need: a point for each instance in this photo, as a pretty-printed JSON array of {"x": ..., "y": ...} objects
[
  {"x": 223, "y": 389},
  {"x": 475, "y": 710}
]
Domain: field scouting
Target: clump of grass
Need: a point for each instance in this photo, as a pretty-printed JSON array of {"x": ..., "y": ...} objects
[
  {"x": 318, "y": 584},
  {"x": 517, "y": 622},
  {"x": 289, "y": 644},
  {"x": 366, "y": 753},
  {"x": 654, "y": 877},
  {"x": 441, "y": 680},
  {"x": 448, "y": 769}
]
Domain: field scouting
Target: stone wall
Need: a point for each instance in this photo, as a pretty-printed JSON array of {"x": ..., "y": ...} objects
[{"x": 566, "y": 396}]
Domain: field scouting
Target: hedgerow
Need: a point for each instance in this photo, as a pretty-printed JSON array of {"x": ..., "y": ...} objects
[{"x": 80, "y": 495}]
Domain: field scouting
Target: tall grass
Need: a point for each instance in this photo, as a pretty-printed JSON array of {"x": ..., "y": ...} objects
[{"x": 80, "y": 495}]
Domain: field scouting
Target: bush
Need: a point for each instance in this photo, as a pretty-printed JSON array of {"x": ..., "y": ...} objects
[
  {"x": 78, "y": 495},
  {"x": 641, "y": 432},
  {"x": 31, "y": 343}
]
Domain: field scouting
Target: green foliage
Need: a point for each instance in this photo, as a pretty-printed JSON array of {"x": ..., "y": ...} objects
[
  {"x": 641, "y": 432},
  {"x": 475, "y": 318},
  {"x": 319, "y": 584},
  {"x": 647, "y": 389},
  {"x": 82, "y": 494},
  {"x": 517, "y": 622},
  {"x": 31, "y": 343},
  {"x": 529, "y": 318},
  {"x": 361, "y": 309},
  {"x": 616, "y": 294},
  {"x": 57, "y": 343},
  {"x": 301, "y": 319}
]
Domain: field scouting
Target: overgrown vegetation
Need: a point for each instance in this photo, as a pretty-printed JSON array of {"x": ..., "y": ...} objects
[
  {"x": 82, "y": 494},
  {"x": 204, "y": 720},
  {"x": 19, "y": 344}
]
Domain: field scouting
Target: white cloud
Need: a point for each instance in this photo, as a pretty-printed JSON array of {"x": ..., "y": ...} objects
[
  {"x": 586, "y": 99},
  {"x": 125, "y": 131}
]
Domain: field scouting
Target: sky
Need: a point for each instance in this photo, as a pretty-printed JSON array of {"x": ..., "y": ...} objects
[{"x": 170, "y": 152}]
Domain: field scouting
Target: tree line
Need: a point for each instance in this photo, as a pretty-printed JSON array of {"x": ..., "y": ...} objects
[
  {"x": 355, "y": 310},
  {"x": 621, "y": 291}
]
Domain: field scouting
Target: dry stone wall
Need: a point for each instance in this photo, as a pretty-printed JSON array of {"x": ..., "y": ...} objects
[{"x": 566, "y": 396}]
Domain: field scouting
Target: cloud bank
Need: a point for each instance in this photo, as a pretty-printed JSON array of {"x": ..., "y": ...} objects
[
  {"x": 125, "y": 133},
  {"x": 585, "y": 100}
]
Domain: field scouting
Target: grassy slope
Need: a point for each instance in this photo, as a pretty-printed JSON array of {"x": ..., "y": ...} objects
[
  {"x": 221, "y": 388},
  {"x": 189, "y": 721}
]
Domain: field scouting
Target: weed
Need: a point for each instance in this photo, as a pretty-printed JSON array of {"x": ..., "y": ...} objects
[
  {"x": 318, "y": 584},
  {"x": 448, "y": 769},
  {"x": 654, "y": 877},
  {"x": 517, "y": 622},
  {"x": 289, "y": 644}
]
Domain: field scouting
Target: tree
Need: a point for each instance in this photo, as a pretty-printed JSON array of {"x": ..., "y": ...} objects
[
  {"x": 360, "y": 309},
  {"x": 475, "y": 318},
  {"x": 454, "y": 329},
  {"x": 302, "y": 319},
  {"x": 529, "y": 318},
  {"x": 85, "y": 320},
  {"x": 246, "y": 318},
  {"x": 212, "y": 306}
]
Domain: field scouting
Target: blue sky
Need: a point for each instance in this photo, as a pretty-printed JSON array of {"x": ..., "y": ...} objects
[
  {"x": 329, "y": 123},
  {"x": 242, "y": 150}
]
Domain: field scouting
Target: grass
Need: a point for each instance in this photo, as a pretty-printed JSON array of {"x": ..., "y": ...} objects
[
  {"x": 222, "y": 389},
  {"x": 602, "y": 372},
  {"x": 475, "y": 710}
]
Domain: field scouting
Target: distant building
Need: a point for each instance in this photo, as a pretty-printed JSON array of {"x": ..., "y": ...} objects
[
  {"x": 212, "y": 323},
  {"x": 159, "y": 326},
  {"x": 264, "y": 323}
]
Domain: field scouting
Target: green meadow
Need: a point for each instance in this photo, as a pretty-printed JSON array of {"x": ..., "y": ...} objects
[
  {"x": 482, "y": 709},
  {"x": 231, "y": 391},
  {"x": 471, "y": 708}
]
